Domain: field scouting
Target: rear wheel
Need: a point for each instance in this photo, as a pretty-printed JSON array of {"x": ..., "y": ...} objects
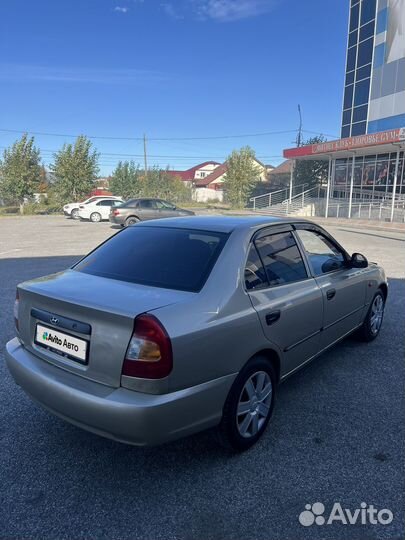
[
  {"x": 95, "y": 217},
  {"x": 374, "y": 318},
  {"x": 75, "y": 213},
  {"x": 249, "y": 405},
  {"x": 131, "y": 220}
]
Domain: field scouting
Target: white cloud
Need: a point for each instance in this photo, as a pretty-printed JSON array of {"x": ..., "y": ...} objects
[
  {"x": 171, "y": 11},
  {"x": 41, "y": 74},
  {"x": 121, "y": 9},
  {"x": 233, "y": 10}
]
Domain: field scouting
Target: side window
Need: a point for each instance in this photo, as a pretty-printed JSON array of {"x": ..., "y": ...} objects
[
  {"x": 146, "y": 205},
  {"x": 255, "y": 276},
  {"x": 281, "y": 258},
  {"x": 323, "y": 255}
]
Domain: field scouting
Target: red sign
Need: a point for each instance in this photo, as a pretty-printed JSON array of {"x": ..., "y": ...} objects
[{"x": 351, "y": 143}]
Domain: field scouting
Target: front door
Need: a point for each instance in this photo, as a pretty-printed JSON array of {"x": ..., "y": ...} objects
[
  {"x": 288, "y": 301},
  {"x": 343, "y": 288}
]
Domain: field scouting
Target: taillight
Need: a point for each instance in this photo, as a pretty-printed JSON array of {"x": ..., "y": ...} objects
[
  {"x": 149, "y": 354},
  {"x": 16, "y": 308},
  {"x": 116, "y": 212}
]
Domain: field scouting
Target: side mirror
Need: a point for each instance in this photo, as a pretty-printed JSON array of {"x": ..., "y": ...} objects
[{"x": 358, "y": 261}]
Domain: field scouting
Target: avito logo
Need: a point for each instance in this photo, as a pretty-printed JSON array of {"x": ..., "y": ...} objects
[{"x": 366, "y": 514}]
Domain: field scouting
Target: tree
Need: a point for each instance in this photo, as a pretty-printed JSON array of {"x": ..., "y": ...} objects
[
  {"x": 75, "y": 168},
  {"x": 20, "y": 171},
  {"x": 241, "y": 176},
  {"x": 158, "y": 183},
  {"x": 313, "y": 172},
  {"x": 125, "y": 180}
]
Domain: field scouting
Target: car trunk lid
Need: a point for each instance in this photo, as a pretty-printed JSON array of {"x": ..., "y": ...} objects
[{"x": 96, "y": 316}]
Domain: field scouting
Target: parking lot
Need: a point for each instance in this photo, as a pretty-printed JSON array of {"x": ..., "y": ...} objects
[{"x": 337, "y": 434}]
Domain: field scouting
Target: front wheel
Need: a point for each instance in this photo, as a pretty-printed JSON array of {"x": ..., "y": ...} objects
[
  {"x": 75, "y": 213},
  {"x": 249, "y": 405},
  {"x": 374, "y": 318},
  {"x": 95, "y": 217}
]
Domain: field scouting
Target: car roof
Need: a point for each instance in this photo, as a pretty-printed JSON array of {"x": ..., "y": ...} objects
[{"x": 218, "y": 223}]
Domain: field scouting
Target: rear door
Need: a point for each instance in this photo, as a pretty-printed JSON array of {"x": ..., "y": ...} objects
[
  {"x": 165, "y": 209},
  {"x": 343, "y": 288},
  {"x": 147, "y": 209},
  {"x": 104, "y": 207},
  {"x": 287, "y": 299}
]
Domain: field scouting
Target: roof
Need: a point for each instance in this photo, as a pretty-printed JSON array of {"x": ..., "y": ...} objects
[
  {"x": 284, "y": 168},
  {"x": 219, "y": 171},
  {"x": 189, "y": 174},
  {"x": 217, "y": 223}
]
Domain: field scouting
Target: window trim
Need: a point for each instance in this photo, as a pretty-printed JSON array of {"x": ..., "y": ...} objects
[
  {"x": 321, "y": 232},
  {"x": 270, "y": 231}
]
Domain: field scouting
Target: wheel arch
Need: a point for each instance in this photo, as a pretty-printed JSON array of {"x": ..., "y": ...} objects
[
  {"x": 272, "y": 357},
  {"x": 384, "y": 289}
]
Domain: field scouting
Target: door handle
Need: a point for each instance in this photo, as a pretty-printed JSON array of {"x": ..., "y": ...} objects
[
  {"x": 273, "y": 317},
  {"x": 331, "y": 294}
]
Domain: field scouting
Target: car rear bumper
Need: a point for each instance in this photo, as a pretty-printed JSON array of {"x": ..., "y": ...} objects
[
  {"x": 117, "y": 413},
  {"x": 117, "y": 220}
]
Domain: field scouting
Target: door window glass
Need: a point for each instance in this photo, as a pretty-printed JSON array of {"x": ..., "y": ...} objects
[
  {"x": 255, "y": 276},
  {"x": 323, "y": 255},
  {"x": 146, "y": 205},
  {"x": 281, "y": 258}
]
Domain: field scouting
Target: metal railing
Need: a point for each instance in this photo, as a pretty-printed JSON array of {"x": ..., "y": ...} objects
[{"x": 275, "y": 197}]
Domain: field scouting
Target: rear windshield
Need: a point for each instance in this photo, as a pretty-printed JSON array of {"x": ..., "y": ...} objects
[{"x": 170, "y": 258}]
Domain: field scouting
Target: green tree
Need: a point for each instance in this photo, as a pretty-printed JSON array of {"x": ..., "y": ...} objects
[
  {"x": 241, "y": 176},
  {"x": 312, "y": 172},
  {"x": 20, "y": 171},
  {"x": 157, "y": 183},
  {"x": 126, "y": 180},
  {"x": 75, "y": 168}
]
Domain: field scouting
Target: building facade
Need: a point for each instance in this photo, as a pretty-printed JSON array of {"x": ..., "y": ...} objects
[{"x": 374, "y": 93}]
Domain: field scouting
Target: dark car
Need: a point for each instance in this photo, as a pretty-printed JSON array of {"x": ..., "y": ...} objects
[{"x": 136, "y": 210}]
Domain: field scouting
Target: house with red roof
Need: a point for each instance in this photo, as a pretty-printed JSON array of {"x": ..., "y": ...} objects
[
  {"x": 216, "y": 178},
  {"x": 196, "y": 173}
]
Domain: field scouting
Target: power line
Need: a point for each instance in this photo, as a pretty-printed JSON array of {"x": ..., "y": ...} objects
[{"x": 215, "y": 137}]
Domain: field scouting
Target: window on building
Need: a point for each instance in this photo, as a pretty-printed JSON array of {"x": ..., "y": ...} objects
[
  {"x": 345, "y": 132},
  {"x": 347, "y": 117},
  {"x": 354, "y": 17},
  {"x": 348, "y": 99},
  {"x": 350, "y": 77},
  {"x": 359, "y": 129},
  {"x": 368, "y": 10},
  {"x": 351, "y": 59},
  {"x": 363, "y": 73},
  {"x": 281, "y": 258},
  {"x": 367, "y": 31},
  {"x": 362, "y": 92},
  {"x": 353, "y": 38},
  {"x": 365, "y": 55},
  {"x": 360, "y": 113}
]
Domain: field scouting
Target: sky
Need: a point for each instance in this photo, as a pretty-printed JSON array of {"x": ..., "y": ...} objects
[{"x": 198, "y": 77}]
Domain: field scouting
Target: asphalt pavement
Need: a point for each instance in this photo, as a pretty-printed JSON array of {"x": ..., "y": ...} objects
[{"x": 337, "y": 434}]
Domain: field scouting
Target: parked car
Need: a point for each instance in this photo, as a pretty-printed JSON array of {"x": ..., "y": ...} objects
[
  {"x": 99, "y": 210},
  {"x": 136, "y": 210},
  {"x": 178, "y": 325},
  {"x": 72, "y": 209}
]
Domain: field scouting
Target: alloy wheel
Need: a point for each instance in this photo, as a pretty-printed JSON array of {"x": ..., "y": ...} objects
[
  {"x": 254, "y": 404},
  {"x": 377, "y": 314}
]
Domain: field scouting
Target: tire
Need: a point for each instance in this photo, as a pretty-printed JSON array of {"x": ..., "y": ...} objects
[
  {"x": 240, "y": 431},
  {"x": 74, "y": 213},
  {"x": 95, "y": 217},
  {"x": 131, "y": 220},
  {"x": 374, "y": 318}
]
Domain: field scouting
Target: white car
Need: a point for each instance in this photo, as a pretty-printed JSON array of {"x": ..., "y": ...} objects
[
  {"x": 72, "y": 209},
  {"x": 98, "y": 210}
]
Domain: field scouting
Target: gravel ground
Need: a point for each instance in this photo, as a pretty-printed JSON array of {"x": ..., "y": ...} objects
[{"x": 337, "y": 434}]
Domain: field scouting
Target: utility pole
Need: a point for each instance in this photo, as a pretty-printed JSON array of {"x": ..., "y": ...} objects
[
  {"x": 144, "y": 156},
  {"x": 299, "y": 136}
]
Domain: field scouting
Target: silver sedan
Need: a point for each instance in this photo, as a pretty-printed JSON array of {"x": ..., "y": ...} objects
[{"x": 178, "y": 325}]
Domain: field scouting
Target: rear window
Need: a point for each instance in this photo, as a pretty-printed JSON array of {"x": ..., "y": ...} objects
[{"x": 180, "y": 259}]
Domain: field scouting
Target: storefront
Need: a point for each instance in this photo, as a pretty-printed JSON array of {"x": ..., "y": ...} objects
[{"x": 367, "y": 168}]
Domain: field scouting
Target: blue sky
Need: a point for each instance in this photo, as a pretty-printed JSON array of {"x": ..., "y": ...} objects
[{"x": 171, "y": 69}]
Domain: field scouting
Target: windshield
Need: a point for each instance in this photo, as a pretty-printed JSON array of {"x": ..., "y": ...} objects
[{"x": 179, "y": 259}]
